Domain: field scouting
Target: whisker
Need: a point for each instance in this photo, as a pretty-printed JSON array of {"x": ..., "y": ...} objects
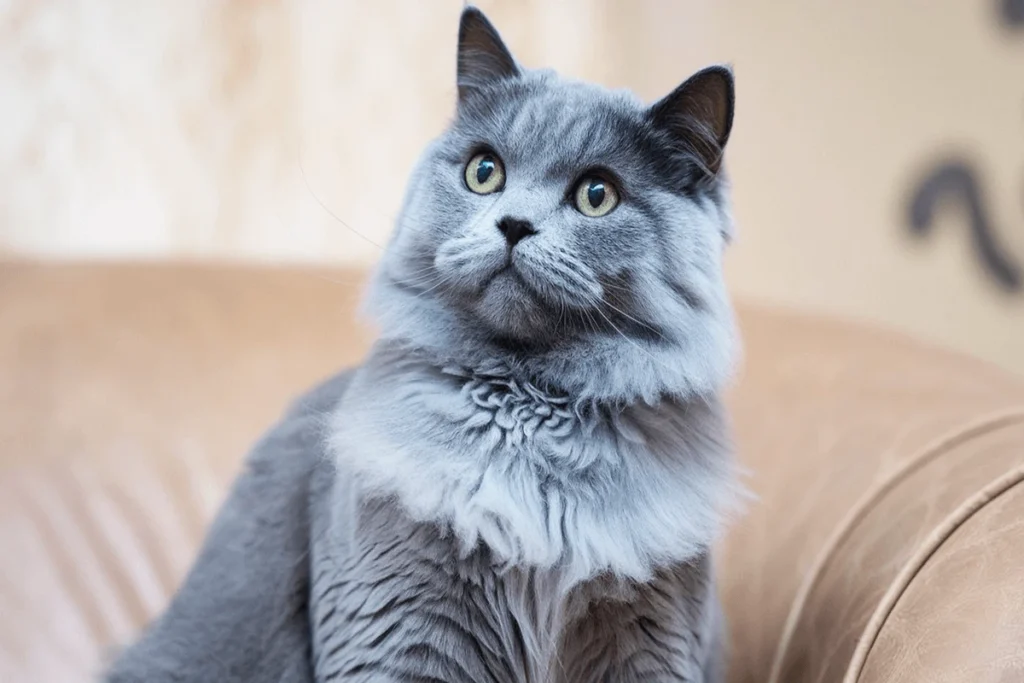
[
  {"x": 440, "y": 281},
  {"x": 641, "y": 323},
  {"x": 614, "y": 287},
  {"x": 351, "y": 281},
  {"x": 420, "y": 271},
  {"x": 333, "y": 215},
  {"x": 423, "y": 280},
  {"x": 590, "y": 321},
  {"x": 636, "y": 345}
]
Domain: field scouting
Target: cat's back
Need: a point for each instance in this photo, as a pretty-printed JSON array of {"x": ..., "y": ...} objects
[{"x": 240, "y": 614}]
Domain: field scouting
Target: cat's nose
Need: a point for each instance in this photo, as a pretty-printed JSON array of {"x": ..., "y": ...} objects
[{"x": 515, "y": 229}]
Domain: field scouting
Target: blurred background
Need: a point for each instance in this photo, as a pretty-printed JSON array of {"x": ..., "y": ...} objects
[
  {"x": 877, "y": 159},
  {"x": 878, "y": 170}
]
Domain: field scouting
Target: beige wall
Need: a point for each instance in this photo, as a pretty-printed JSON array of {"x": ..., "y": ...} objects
[
  {"x": 197, "y": 128},
  {"x": 138, "y": 128},
  {"x": 846, "y": 105}
]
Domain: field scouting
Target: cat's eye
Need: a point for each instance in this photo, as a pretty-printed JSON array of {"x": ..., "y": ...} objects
[
  {"x": 485, "y": 173},
  {"x": 596, "y": 197}
]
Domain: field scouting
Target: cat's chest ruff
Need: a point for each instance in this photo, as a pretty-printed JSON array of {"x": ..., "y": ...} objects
[
  {"x": 511, "y": 413},
  {"x": 541, "y": 480}
]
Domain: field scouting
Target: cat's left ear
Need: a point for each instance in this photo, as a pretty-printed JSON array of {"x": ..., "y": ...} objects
[
  {"x": 483, "y": 58},
  {"x": 699, "y": 113}
]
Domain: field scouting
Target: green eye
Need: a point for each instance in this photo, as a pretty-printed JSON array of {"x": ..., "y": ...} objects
[
  {"x": 596, "y": 197},
  {"x": 485, "y": 173}
]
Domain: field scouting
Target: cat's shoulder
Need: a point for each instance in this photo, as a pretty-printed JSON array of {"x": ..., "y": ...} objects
[{"x": 290, "y": 451}]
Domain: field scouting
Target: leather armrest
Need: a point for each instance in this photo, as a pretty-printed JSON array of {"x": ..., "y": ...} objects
[{"x": 885, "y": 473}]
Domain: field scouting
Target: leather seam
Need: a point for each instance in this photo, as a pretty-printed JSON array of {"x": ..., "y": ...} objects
[
  {"x": 976, "y": 428},
  {"x": 917, "y": 563}
]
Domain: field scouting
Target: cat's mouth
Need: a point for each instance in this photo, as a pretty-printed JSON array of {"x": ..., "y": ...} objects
[
  {"x": 509, "y": 305},
  {"x": 512, "y": 293},
  {"x": 510, "y": 284},
  {"x": 508, "y": 271}
]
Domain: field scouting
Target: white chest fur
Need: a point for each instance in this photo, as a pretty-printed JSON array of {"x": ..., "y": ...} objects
[{"x": 543, "y": 481}]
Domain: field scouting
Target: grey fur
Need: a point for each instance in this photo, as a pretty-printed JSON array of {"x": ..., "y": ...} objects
[
  {"x": 523, "y": 480},
  {"x": 242, "y": 613}
]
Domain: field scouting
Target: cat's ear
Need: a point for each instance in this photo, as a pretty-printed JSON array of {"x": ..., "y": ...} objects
[
  {"x": 483, "y": 58},
  {"x": 699, "y": 113}
]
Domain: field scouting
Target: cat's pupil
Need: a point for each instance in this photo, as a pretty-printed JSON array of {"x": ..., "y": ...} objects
[
  {"x": 595, "y": 193},
  {"x": 484, "y": 170}
]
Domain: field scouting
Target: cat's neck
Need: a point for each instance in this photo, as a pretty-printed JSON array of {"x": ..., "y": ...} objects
[
  {"x": 607, "y": 369},
  {"x": 543, "y": 479},
  {"x": 504, "y": 368}
]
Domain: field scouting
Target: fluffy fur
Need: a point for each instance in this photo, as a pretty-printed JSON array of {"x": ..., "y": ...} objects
[
  {"x": 523, "y": 481},
  {"x": 549, "y": 409},
  {"x": 541, "y": 480}
]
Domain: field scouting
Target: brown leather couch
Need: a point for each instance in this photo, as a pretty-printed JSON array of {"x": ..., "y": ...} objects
[{"x": 886, "y": 542}]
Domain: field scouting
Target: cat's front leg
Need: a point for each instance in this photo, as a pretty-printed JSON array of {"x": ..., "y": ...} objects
[{"x": 668, "y": 631}]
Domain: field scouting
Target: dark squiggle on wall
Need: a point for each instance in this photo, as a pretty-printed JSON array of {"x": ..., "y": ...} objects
[
  {"x": 956, "y": 181},
  {"x": 1013, "y": 13}
]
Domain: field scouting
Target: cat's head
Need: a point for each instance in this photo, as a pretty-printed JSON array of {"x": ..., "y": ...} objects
[{"x": 569, "y": 232}]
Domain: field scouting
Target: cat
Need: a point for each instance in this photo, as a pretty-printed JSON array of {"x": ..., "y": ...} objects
[{"x": 523, "y": 480}]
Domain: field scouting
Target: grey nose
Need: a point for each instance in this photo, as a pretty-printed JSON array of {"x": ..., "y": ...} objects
[{"x": 515, "y": 229}]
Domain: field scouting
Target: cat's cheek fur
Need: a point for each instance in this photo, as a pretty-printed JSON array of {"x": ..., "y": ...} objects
[{"x": 542, "y": 482}]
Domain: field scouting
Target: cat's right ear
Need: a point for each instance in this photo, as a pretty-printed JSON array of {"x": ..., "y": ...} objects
[
  {"x": 699, "y": 113},
  {"x": 483, "y": 58}
]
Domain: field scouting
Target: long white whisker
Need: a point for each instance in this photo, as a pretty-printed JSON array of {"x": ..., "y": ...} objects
[
  {"x": 350, "y": 281},
  {"x": 641, "y": 323},
  {"x": 333, "y": 215},
  {"x": 431, "y": 288},
  {"x": 635, "y": 345},
  {"x": 426, "y": 270}
]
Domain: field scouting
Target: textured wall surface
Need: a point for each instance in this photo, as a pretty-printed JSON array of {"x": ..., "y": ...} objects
[
  {"x": 283, "y": 131},
  {"x": 217, "y": 128}
]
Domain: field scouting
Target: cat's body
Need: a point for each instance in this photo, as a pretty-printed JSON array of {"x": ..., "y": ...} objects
[
  {"x": 404, "y": 604},
  {"x": 523, "y": 481},
  {"x": 522, "y": 539}
]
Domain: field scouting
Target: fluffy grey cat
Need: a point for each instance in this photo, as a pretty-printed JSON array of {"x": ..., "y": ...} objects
[{"x": 523, "y": 481}]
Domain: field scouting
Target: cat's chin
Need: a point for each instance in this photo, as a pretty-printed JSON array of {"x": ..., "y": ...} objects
[
  {"x": 512, "y": 312},
  {"x": 506, "y": 325}
]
